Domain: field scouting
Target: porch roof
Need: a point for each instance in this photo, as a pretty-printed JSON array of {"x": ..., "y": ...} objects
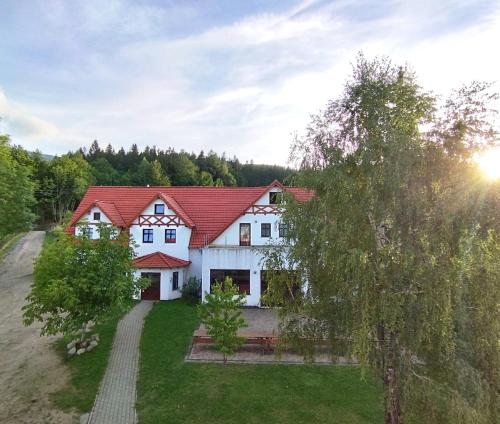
[{"x": 159, "y": 260}]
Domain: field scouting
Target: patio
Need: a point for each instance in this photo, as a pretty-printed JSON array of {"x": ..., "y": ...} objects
[{"x": 262, "y": 336}]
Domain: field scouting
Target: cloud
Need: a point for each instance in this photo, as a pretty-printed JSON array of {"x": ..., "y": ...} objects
[
  {"x": 19, "y": 122},
  {"x": 242, "y": 86}
]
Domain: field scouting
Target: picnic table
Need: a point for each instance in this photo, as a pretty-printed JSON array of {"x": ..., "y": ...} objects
[{"x": 266, "y": 339}]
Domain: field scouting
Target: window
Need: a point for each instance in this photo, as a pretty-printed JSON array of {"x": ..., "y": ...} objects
[
  {"x": 265, "y": 230},
  {"x": 244, "y": 234},
  {"x": 240, "y": 277},
  {"x": 97, "y": 216},
  {"x": 88, "y": 231},
  {"x": 275, "y": 197},
  {"x": 147, "y": 235},
  {"x": 175, "y": 280},
  {"x": 170, "y": 235},
  {"x": 283, "y": 230},
  {"x": 159, "y": 209}
]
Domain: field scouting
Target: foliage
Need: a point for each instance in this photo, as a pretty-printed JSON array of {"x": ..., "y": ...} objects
[
  {"x": 57, "y": 185},
  {"x": 399, "y": 246},
  {"x": 65, "y": 182},
  {"x": 16, "y": 192},
  {"x": 221, "y": 315},
  {"x": 77, "y": 280},
  {"x": 170, "y": 389},
  {"x": 191, "y": 290}
]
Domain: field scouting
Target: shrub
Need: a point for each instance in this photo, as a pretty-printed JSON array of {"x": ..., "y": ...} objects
[{"x": 191, "y": 290}]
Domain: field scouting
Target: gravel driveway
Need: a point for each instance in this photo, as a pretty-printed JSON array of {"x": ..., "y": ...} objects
[{"x": 29, "y": 368}]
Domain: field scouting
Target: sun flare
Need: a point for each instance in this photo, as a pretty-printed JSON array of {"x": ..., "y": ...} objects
[{"x": 489, "y": 162}]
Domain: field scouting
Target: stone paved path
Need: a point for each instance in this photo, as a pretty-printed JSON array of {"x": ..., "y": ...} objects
[{"x": 115, "y": 401}]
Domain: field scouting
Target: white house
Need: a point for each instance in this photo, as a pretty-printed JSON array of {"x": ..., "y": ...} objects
[{"x": 183, "y": 232}]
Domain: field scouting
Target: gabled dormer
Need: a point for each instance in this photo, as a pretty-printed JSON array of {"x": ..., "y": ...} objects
[
  {"x": 99, "y": 212},
  {"x": 162, "y": 226},
  {"x": 269, "y": 202},
  {"x": 163, "y": 210},
  {"x": 259, "y": 223}
]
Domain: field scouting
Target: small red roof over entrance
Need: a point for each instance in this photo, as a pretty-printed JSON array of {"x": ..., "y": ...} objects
[{"x": 159, "y": 260}]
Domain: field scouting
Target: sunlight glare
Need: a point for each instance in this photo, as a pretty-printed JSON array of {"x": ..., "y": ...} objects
[{"x": 489, "y": 162}]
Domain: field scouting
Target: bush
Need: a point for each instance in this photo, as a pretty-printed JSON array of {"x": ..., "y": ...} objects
[{"x": 191, "y": 290}]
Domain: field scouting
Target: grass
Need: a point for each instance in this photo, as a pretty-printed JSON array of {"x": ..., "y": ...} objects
[
  {"x": 86, "y": 370},
  {"x": 8, "y": 241},
  {"x": 171, "y": 390}
]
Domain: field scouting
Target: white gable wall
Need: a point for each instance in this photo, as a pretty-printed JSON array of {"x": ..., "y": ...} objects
[
  {"x": 225, "y": 251},
  {"x": 88, "y": 219},
  {"x": 264, "y": 199},
  {"x": 231, "y": 236},
  {"x": 179, "y": 249}
]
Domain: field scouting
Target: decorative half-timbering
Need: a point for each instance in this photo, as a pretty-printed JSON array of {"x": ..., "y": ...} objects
[
  {"x": 183, "y": 232},
  {"x": 160, "y": 220},
  {"x": 264, "y": 209}
]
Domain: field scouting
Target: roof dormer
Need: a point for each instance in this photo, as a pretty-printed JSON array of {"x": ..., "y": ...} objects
[{"x": 162, "y": 209}]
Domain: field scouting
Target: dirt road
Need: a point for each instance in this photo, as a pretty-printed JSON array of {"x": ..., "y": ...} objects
[{"x": 29, "y": 368}]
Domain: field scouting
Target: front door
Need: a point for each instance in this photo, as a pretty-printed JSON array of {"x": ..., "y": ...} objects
[{"x": 153, "y": 291}]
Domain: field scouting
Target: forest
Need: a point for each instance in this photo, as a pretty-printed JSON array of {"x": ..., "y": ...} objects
[{"x": 36, "y": 189}]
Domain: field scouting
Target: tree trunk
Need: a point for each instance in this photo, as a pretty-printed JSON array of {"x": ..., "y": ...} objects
[{"x": 392, "y": 406}]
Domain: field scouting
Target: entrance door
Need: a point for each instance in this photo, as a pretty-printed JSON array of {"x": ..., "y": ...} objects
[{"x": 153, "y": 291}]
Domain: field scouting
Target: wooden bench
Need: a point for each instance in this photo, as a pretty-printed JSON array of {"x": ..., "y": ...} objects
[{"x": 266, "y": 339}]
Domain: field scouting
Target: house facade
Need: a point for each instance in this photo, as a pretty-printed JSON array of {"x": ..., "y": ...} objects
[{"x": 182, "y": 232}]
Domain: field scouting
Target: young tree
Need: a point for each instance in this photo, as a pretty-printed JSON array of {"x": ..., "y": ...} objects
[
  {"x": 222, "y": 318},
  {"x": 77, "y": 280},
  {"x": 387, "y": 243}
]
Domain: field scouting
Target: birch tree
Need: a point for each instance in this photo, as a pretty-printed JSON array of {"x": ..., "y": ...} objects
[{"x": 399, "y": 246}]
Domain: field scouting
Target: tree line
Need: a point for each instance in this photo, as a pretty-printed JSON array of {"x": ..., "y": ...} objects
[{"x": 34, "y": 188}]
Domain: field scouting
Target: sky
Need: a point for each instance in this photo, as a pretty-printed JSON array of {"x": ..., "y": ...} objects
[{"x": 239, "y": 77}]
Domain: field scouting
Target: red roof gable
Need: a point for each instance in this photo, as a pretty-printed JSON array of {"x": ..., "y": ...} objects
[
  {"x": 159, "y": 260},
  {"x": 210, "y": 209},
  {"x": 109, "y": 209}
]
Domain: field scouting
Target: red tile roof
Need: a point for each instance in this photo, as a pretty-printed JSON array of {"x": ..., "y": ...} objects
[
  {"x": 159, "y": 260},
  {"x": 210, "y": 210},
  {"x": 109, "y": 209}
]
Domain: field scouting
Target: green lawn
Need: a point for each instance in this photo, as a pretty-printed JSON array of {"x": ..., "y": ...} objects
[
  {"x": 172, "y": 391},
  {"x": 87, "y": 370}
]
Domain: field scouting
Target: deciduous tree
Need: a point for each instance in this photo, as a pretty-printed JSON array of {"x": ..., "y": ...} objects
[
  {"x": 221, "y": 315},
  {"x": 16, "y": 191},
  {"x": 396, "y": 247},
  {"x": 77, "y": 280}
]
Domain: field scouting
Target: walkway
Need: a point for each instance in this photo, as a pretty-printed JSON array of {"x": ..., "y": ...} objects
[{"x": 115, "y": 401}]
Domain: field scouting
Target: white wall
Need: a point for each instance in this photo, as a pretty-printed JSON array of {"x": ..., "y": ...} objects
[
  {"x": 179, "y": 249},
  {"x": 234, "y": 258},
  {"x": 264, "y": 199},
  {"x": 196, "y": 258},
  {"x": 231, "y": 236},
  {"x": 166, "y": 292},
  {"x": 88, "y": 219}
]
